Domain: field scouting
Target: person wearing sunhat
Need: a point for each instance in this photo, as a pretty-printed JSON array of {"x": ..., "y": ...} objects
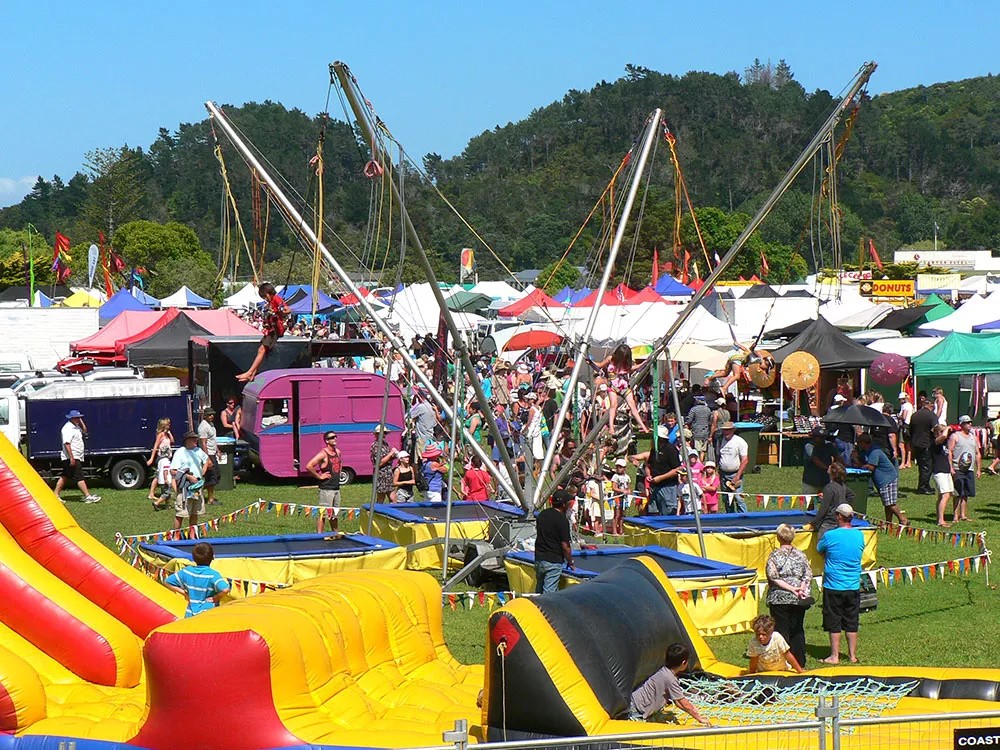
[
  {"x": 433, "y": 469},
  {"x": 189, "y": 466},
  {"x": 382, "y": 463},
  {"x": 71, "y": 454},
  {"x": 734, "y": 455}
]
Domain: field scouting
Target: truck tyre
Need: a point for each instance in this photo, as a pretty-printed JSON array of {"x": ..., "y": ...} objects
[
  {"x": 346, "y": 476},
  {"x": 128, "y": 474}
]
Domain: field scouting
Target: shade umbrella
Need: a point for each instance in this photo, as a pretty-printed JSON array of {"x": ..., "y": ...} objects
[
  {"x": 889, "y": 369},
  {"x": 858, "y": 415},
  {"x": 533, "y": 340}
]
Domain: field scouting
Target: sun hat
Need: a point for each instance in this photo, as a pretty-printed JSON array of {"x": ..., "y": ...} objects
[
  {"x": 431, "y": 452},
  {"x": 378, "y": 428},
  {"x": 663, "y": 431},
  {"x": 208, "y": 411},
  {"x": 402, "y": 454},
  {"x": 845, "y": 510},
  {"x": 727, "y": 426},
  {"x": 710, "y": 463},
  {"x": 190, "y": 434},
  {"x": 73, "y": 414}
]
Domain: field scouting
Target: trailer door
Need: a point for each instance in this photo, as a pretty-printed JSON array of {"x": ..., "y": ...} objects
[{"x": 307, "y": 421}]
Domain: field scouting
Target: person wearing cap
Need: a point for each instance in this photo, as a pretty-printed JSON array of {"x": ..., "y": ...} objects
[
  {"x": 188, "y": 466},
  {"x": 424, "y": 416},
  {"x": 552, "y": 548},
  {"x": 842, "y": 549},
  {"x": 403, "y": 479},
  {"x": 71, "y": 455},
  {"x": 663, "y": 463},
  {"x": 720, "y": 415},
  {"x": 966, "y": 466},
  {"x": 734, "y": 455},
  {"x": 382, "y": 463},
  {"x": 905, "y": 413},
  {"x": 326, "y": 466},
  {"x": 885, "y": 476},
  {"x": 208, "y": 441},
  {"x": 818, "y": 454}
]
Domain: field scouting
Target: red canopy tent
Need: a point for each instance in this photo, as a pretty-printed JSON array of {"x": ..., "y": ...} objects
[
  {"x": 352, "y": 299},
  {"x": 536, "y": 298},
  {"x": 620, "y": 295},
  {"x": 123, "y": 325},
  {"x": 646, "y": 294}
]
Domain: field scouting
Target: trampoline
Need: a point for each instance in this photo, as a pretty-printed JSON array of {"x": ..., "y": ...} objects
[
  {"x": 741, "y": 539},
  {"x": 718, "y": 596},
  {"x": 282, "y": 560},
  {"x": 409, "y": 524}
]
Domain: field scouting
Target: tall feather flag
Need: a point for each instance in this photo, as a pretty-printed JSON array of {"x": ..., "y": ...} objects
[
  {"x": 685, "y": 278},
  {"x": 468, "y": 263},
  {"x": 764, "y": 268},
  {"x": 105, "y": 265},
  {"x": 656, "y": 266},
  {"x": 874, "y": 252},
  {"x": 61, "y": 258}
]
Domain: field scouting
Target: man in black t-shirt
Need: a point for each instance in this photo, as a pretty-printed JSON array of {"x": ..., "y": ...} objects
[
  {"x": 922, "y": 424},
  {"x": 552, "y": 544},
  {"x": 663, "y": 465},
  {"x": 818, "y": 455}
]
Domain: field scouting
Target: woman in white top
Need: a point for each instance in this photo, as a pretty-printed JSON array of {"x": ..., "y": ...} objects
[
  {"x": 905, "y": 412},
  {"x": 940, "y": 405}
]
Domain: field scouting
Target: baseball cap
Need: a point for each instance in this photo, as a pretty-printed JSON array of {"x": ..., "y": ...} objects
[
  {"x": 839, "y": 398},
  {"x": 904, "y": 394},
  {"x": 964, "y": 419},
  {"x": 845, "y": 510},
  {"x": 710, "y": 463},
  {"x": 621, "y": 462},
  {"x": 402, "y": 454},
  {"x": 720, "y": 401},
  {"x": 561, "y": 498}
]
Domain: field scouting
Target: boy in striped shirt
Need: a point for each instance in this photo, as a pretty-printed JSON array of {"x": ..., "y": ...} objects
[{"x": 202, "y": 586}]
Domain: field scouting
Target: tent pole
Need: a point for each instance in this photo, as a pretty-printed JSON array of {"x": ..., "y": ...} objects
[
  {"x": 781, "y": 421},
  {"x": 451, "y": 469},
  {"x": 685, "y": 455}
]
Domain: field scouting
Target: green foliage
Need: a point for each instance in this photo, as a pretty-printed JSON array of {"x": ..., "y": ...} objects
[
  {"x": 171, "y": 253},
  {"x": 917, "y": 157},
  {"x": 557, "y": 275},
  {"x": 13, "y": 269}
]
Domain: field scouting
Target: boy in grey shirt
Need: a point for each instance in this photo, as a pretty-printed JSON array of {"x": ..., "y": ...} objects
[{"x": 662, "y": 688}]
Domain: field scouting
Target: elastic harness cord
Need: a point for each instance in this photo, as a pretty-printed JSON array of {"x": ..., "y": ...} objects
[{"x": 502, "y": 653}]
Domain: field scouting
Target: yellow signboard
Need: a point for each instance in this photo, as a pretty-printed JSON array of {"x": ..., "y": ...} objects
[{"x": 887, "y": 288}]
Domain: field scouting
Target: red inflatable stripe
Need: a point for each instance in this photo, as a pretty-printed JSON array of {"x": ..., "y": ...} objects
[
  {"x": 35, "y": 533},
  {"x": 8, "y": 712},
  {"x": 210, "y": 682},
  {"x": 69, "y": 641}
]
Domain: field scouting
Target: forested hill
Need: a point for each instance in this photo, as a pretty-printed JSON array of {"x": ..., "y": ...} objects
[{"x": 916, "y": 157}]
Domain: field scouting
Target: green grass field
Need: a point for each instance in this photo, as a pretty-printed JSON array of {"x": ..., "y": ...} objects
[{"x": 941, "y": 622}]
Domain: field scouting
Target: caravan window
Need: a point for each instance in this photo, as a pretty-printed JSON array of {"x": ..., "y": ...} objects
[
  {"x": 274, "y": 411},
  {"x": 4, "y": 413}
]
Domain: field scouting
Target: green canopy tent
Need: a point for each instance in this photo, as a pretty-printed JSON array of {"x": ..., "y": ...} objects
[
  {"x": 468, "y": 302},
  {"x": 934, "y": 308},
  {"x": 957, "y": 355}
]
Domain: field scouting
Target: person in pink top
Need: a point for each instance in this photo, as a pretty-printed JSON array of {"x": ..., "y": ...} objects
[{"x": 709, "y": 483}]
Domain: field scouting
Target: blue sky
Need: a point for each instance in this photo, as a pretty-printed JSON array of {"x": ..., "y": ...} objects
[{"x": 78, "y": 76}]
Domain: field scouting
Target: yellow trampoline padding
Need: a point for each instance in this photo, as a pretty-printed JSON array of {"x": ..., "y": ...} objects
[
  {"x": 407, "y": 534},
  {"x": 286, "y": 571},
  {"x": 357, "y": 658},
  {"x": 745, "y": 551},
  {"x": 713, "y": 606}
]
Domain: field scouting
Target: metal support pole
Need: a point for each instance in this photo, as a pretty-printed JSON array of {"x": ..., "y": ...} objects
[
  {"x": 459, "y": 735},
  {"x": 451, "y": 470},
  {"x": 340, "y": 70},
  {"x": 781, "y": 421},
  {"x": 302, "y": 226},
  {"x": 810, "y": 150},
  {"x": 581, "y": 355},
  {"x": 685, "y": 458}
]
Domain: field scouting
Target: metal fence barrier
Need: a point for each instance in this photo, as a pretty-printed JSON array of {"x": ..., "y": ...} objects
[{"x": 939, "y": 731}]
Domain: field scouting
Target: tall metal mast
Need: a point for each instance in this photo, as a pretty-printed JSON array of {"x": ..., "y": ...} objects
[
  {"x": 514, "y": 489},
  {"x": 810, "y": 150},
  {"x": 344, "y": 77}
]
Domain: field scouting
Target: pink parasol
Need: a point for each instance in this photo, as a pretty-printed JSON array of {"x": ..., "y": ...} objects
[{"x": 889, "y": 369}]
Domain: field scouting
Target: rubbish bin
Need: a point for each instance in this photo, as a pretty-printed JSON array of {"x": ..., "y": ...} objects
[
  {"x": 227, "y": 458},
  {"x": 857, "y": 482},
  {"x": 750, "y": 431}
]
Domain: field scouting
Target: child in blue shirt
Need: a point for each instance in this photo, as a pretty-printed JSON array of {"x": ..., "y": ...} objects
[{"x": 202, "y": 586}]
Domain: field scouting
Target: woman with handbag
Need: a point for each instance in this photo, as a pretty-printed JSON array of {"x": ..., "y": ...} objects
[{"x": 789, "y": 578}]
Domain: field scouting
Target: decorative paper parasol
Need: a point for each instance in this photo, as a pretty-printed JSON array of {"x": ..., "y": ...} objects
[
  {"x": 800, "y": 370},
  {"x": 763, "y": 369},
  {"x": 889, "y": 369}
]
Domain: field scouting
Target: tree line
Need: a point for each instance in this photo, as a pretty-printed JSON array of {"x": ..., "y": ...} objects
[{"x": 918, "y": 162}]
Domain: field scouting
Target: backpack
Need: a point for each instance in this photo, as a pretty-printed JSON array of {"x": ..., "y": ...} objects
[{"x": 420, "y": 479}]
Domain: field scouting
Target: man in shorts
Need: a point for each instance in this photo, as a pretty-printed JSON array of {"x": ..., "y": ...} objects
[
  {"x": 71, "y": 455},
  {"x": 842, "y": 548},
  {"x": 208, "y": 442},
  {"x": 966, "y": 465},
  {"x": 189, "y": 466},
  {"x": 326, "y": 466}
]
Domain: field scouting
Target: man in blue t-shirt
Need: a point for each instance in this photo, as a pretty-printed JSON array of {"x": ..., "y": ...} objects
[
  {"x": 842, "y": 548},
  {"x": 200, "y": 584}
]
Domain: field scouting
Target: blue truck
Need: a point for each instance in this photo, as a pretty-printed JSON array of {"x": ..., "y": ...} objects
[{"x": 120, "y": 416}]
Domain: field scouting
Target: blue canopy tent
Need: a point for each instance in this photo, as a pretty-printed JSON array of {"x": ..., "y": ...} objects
[
  {"x": 577, "y": 296},
  {"x": 120, "y": 301},
  {"x": 563, "y": 296},
  {"x": 43, "y": 300},
  {"x": 303, "y": 305},
  {"x": 668, "y": 286},
  {"x": 147, "y": 299}
]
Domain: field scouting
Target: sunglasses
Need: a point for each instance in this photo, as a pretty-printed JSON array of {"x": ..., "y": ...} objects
[{"x": 332, "y": 437}]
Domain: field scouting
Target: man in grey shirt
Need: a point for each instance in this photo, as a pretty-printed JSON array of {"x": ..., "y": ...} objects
[
  {"x": 699, "y": 419},
  {"x": 424, "y": 417},
  {"x": 208, "y": 442},
  {"x": 966, "y": 465}
]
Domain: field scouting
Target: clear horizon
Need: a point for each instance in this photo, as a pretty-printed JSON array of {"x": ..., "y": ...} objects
[{"x": 91, "y": 77}]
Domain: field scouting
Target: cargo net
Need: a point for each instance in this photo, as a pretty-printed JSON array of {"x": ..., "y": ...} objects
[{"x": 754, "y": 702}]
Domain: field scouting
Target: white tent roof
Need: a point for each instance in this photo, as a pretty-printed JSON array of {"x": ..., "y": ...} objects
[
  {"x": 864, "y": 318},
  {"x": 415, "y": 310},
  {"x": 245, "y": 297},
  {"x": 184, "y": 297},
  {"x": 497, "y": 290},
  {"x": 976, "y": 311},
  {"x": 752, "y": 314},
  {"x": 909, "y": 347}
]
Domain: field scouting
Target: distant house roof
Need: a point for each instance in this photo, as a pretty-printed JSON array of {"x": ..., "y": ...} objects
[{"x": 528, "y": 276}]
